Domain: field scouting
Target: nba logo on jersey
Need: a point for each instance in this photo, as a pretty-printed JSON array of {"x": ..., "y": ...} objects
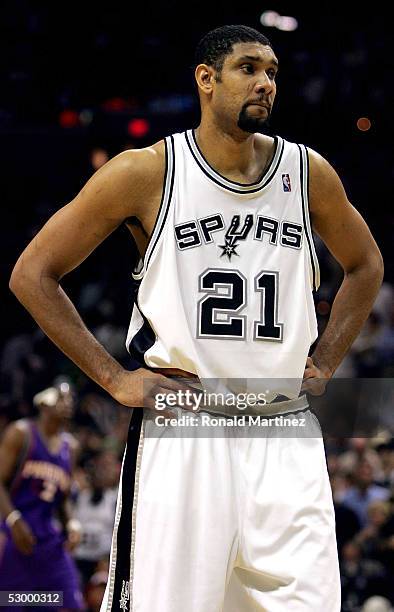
[{"x": 286, "y": 182}]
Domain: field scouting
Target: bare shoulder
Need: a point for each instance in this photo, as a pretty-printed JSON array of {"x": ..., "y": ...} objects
[
  {"x": 325, "y": 186},
  {"x": 14, "y": 434},
  {"x": 131, "y": 177},
  {"x": 145, "y": 162},
  {"x": 12, "y": 442},
  {"x": 140, "y": 165}
]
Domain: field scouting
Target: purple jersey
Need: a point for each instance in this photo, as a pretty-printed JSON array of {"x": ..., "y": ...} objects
[{"x": 42, "y": 481}]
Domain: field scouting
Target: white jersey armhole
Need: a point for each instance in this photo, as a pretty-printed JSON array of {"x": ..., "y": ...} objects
[
  {"x": 168, "y": 185},
  {"x": 304, "y": 180}
]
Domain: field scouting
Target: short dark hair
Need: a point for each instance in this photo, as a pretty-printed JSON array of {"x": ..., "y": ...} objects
[{"x": 217, "y": 44}]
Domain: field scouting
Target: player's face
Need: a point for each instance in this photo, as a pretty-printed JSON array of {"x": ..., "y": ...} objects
[
  {"x": 245, "y": 92},
  {"x": 64, "y": 408}
]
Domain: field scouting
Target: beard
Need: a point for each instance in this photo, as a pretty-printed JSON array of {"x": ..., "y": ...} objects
[{"x": 250, "y": 124}]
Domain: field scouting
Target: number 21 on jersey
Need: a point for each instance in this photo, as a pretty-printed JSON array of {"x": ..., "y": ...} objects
[{"x": 218, "y": 313}]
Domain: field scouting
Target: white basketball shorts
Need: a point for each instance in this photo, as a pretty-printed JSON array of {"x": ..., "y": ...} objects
[{"x": 224, "y": 523}]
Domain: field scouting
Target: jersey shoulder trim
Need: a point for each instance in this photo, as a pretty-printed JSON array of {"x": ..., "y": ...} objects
[
  {"x": 304, "y": 180},
  {"x": 168, "y": 185}
]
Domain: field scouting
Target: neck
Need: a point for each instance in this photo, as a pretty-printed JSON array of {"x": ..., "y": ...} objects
[
  {"x": 49, "y": 426},
  {"x": 230, "y": 154}
]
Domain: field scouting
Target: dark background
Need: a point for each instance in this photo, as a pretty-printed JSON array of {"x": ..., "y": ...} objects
[{"x": 75, "y": 77}]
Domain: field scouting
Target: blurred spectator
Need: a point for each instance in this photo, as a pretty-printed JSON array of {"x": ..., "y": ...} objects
[
  {"x": 376, "y": 604},
  {"x": 20, "y": 364},
  {"x": 359, "y": 449},
  {"x": 385, "y": 345},
  {"x": 370, "y": 538},
  {"x": 365, "y": 347},
  {"x": 347, "y": 522},
  {"x": 384, "y": 302},
  {"x": 385, "y": 477},
  {"x": 347, "y": 525},
  {"x": 95, "y": 509},
  {"x": 363, "y": 492},
  {"x": 98, "y": 157},
  {"x": 95, "y": 587},
  {"x": 387, "y": 543},
  {"x": 360, "y": 578}
]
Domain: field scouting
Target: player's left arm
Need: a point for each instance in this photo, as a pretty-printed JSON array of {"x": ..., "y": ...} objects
[
  {"x": 71, "y": 526},
  {"x": 347, "y": 236}
]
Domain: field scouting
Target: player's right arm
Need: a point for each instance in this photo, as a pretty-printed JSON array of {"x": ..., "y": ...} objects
[
  {"x": 128, "y": 185},
  {"x": 10, "y": 449}
]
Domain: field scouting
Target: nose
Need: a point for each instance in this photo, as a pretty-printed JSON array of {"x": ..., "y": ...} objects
[{"x": 264, "y": 84}]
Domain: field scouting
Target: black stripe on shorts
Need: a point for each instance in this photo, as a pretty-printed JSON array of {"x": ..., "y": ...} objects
[{"x": 124, "y": 535}]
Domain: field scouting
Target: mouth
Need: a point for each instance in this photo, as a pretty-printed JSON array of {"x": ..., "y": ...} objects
[{"x": 259, "y": 104}]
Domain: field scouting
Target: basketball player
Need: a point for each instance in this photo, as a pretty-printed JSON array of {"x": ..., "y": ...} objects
[
  {"x": 35, "y": 467},
  {"x": 224, "y": 217}
]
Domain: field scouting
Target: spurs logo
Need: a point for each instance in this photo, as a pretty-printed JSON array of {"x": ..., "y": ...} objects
[
  {"x": 124, "y": 596},
  {"x": 233, "y": 235},
  {"x": 267, "y": 231}
]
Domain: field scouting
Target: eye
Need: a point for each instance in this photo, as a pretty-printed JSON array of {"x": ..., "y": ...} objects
[
  {"x": 271, "y": 74},
  {"x": 247, "y": 68}
]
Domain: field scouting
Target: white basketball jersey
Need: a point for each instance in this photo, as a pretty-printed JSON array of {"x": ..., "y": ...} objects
[{"x": 225, "y": 287}]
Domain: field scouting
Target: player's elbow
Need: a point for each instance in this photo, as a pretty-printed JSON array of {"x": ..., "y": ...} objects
[
  {"x": 16, "y": 278},
  {"x": 379, "y": 267},
  {"x": 23, "y": 277},
  {"x": 369, "y": 270},
  {"x": 375, "y": 267}
]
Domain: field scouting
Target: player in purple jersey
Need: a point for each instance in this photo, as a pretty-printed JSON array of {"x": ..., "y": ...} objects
[{"x": 36, "y": 461}]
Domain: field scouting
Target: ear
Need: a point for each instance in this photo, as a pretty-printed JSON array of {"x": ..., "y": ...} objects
[{"x": 205, "y": 77}]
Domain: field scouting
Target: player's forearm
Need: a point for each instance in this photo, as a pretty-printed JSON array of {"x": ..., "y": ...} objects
[
  {"x": 54, "y": 312},
  {"x": 350, "y": 309},
  {"x": 6, "y": 506}
]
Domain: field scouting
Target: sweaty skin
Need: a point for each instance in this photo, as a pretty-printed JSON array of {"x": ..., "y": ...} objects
[{"x": 130, "y": 186}]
